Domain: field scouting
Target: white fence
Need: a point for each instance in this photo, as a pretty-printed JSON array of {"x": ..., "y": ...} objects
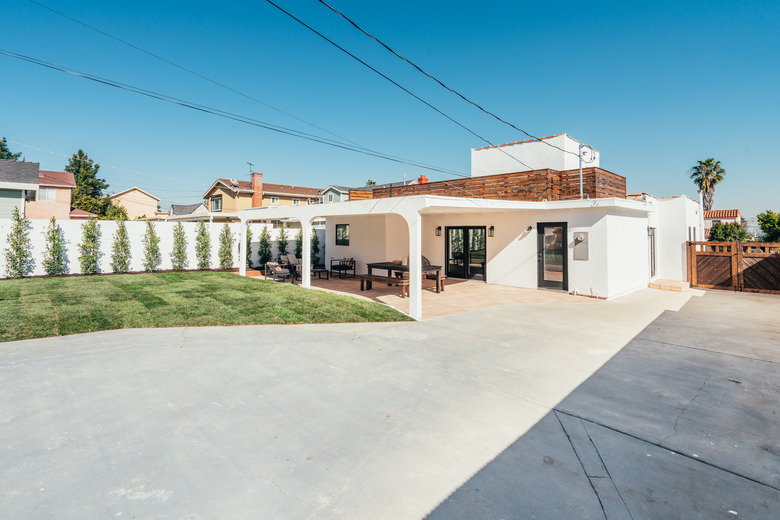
[{"x": 72, "y": 233}]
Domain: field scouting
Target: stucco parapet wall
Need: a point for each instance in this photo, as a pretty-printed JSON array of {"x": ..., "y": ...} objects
[{"x": 421, "y": 203}]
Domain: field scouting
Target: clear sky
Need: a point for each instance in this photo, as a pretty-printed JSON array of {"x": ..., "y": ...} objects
[{"x": 654, "y": 87}]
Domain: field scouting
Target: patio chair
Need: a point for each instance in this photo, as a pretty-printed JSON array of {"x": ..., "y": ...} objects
[
  {"x": 294, "y": 265},
  {"x": 276, "y": 271},
  {"x": 342, "y": 266}
]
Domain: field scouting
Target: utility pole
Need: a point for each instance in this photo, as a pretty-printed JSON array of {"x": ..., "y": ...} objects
[{"x": 251, "y": 168}]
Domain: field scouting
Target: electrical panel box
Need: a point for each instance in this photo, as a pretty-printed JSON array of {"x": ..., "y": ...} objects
[{"x": 580, "y": 245}]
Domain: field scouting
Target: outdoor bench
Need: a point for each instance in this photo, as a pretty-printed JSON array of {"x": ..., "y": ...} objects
[{"x": 366, "y": 281}]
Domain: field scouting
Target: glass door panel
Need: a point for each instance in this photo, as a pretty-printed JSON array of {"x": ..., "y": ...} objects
[
  {"x": 477, "y": 253},
  {"x": 553, "y": 270},
  {"x": 456, "y": 261}
]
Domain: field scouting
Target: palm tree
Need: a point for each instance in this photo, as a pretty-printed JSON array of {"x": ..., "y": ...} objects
[{"x": 706, "y": 175}]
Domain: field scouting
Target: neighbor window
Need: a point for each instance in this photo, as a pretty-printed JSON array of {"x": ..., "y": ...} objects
[
  {"x": 296, "y": 202},
  {"x": 274, "y": 200},
  {"x": 216, "y": 203},
  {"x": 342, "y": 234},
  {"x": 46, "y": 194},
  {"x": 330, "y": 197}
]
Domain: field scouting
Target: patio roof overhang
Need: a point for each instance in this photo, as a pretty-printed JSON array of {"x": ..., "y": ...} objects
[{"x": 412, "y": 209}]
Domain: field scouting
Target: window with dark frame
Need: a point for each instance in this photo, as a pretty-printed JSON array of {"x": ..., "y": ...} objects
[{"x": 342, "y": 234}]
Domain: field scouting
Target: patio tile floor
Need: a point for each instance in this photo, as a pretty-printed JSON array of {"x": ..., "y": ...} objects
[{"x": 458, "y": 296}]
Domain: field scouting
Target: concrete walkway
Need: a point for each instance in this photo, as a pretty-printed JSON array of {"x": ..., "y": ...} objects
[{"x": 321, "y": 421}]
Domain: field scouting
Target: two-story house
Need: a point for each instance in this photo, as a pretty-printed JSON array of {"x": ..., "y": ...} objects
[
  {"x": 53, "y": 197},
  {"x": 137, "y": 203},
  {"x": 229, "y": 196}
]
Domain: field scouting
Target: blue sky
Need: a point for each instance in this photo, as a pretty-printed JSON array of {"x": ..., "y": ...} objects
[{"x": 655, "y": 87}]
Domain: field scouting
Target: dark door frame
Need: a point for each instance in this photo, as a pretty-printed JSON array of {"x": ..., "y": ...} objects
[
  {"x": 564, "y": 284},
  {"x": 466, "y": 250}
]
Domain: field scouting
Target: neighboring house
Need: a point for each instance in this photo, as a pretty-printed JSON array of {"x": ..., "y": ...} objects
[
  {"x": 136, "y": 203},
  {"x": 720, "y": 216},
  {"x": 188, "y": 212},
  {"x": 229, "y": 196},
  {"x": 334, "y": 194},
  {"x": 18, "y": 183},
  {"x": 525, "y": 229},
  {"x": 366, "y": 192},
  {"x": 53, "y": 197},
  {"x": 80, "y": 214}
]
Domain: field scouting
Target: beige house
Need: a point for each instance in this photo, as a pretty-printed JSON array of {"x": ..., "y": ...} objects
[
  {"x": 53, "y": 196},
  {"x": 231, "y": 195},
  {"x": 137, "y": 203}
]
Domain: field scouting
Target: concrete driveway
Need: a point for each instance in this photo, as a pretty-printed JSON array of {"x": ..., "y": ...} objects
[{"x": 375, "y": 420}]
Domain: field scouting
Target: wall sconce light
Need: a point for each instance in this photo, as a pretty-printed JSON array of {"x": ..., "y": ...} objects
[
  {"x": 529, "y": 229},
  {"x": 491, "y": 231},
  {"x": 438, "y": 231}
]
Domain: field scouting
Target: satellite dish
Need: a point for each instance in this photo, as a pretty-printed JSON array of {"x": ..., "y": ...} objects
[
  {"x": 234, "y": 182},
  {"x": 587, "y": 154}
]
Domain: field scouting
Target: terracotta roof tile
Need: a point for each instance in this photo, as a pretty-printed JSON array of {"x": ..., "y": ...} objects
[{"x": 722, "y": 213}]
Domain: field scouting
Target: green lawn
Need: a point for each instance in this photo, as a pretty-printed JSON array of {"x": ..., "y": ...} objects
[{"x": 40, "y": 307}]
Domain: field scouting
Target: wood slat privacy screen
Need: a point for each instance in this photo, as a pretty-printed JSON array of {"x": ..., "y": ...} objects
[
  {"x": 735, "y": 266},
  {"x": 535, "y": 185}
]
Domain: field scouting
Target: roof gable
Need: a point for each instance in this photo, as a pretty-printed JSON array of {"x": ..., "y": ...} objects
[
  {"x": 132, "y": 189},
  {"x": 57, "y": 179},
  {"x": 21, "y": 172}
]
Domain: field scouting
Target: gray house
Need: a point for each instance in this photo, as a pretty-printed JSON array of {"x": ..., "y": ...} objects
[
  {"x": 18, "y": 182},
  {"x": 334, "y": 194}
]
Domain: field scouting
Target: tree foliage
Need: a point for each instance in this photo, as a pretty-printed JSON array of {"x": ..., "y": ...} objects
[
  {"x": 728, "y": 232},
  {"x": 248, "y": 247},
  {"x": 54, "y": 255},
  {"x": 18, "y": 255},
  {"x": 152, "y": 256},
  {"x": 315, "y": 247},
  {"x": 225, "y": 247},
  {"x": 264, "y": 253},
  {"x": 370, "y": 182},
  {"x": 179, "y": 252},
  {"x": 203, "y": 246},
  {"x": 88, "y": 193},
  {"x": 281, "y": 242},
  {"x": 706, "y": 175},
  {"x": 770, "y": 225},
  {"x": 6, "y": 154},
  {"x": 299, "y": 243},
  {"x": 89, "y": 248},
  {"x": 120, "y": 249}
]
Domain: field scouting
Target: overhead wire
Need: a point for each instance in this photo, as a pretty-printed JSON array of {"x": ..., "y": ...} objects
[
  {"x": 464, "y": 98},
  {"x": 315, "y": 31},
  {"x": 190, "y": 71},
  {"x": 229, "y": 115}
]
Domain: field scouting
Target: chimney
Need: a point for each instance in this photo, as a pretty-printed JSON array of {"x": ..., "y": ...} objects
[
  {"x": 422, "y": 179},
  {"x": 257, "y": 189}
]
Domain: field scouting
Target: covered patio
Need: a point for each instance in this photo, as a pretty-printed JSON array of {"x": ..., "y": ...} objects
[
  {"x": 381, "y": 230},
  {"x": 459, "y": 296}
]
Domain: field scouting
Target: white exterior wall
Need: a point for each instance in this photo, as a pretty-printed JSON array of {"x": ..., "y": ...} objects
[
  {"x": 367, "y": 240},
  {"x": 628, "y": 253},
  {"x": 535, "y": 154},
  {"x": 72, "y": 231},
  {"x": 672, "y": 219}
]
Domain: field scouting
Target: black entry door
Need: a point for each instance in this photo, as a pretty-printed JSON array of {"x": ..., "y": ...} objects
[
  {"x": 552, "y": 258},
  {"x": 466, "y": 252}
]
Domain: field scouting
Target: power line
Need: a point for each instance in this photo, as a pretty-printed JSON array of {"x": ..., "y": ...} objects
[
  {"x": 464, "y": 98},
  {"x": 418, "y": 98},
  {"x": 227, "y": 115},
  {"x": 190, "y": 71}
]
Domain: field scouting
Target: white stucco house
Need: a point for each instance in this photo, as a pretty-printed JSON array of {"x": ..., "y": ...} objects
[{"x": 606, "y": 245}]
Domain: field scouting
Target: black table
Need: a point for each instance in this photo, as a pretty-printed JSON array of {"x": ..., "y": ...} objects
[{"x": 390, "y": 267}]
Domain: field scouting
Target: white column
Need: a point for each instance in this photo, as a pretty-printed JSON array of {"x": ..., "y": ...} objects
[
  {"x": 415, "y": 265},
  {"x": 306, "y": 254},
  {"x": 242, "y": 248}
]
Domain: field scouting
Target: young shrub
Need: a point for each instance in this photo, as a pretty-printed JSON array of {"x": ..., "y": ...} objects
[
  {"x": 225, "y": 248},
  {"x": 179, "y": 252},
  {"x": 264, "y": 253},
  {"x": 89, "y": 247},
  {"x": 281, "y": 243},
  {"x": 729, "y": 232},
  {"x": 248, "y": 247},
  {"x": 299, "y": 243},
  {"x": 203, "y": 246},
  {"x": 18, "y": 255},
  {"x": 315, "y": 247},
  {"x": 54, "y": 256},
  {"x": 152, "y": 256},
  {"x": 120, "y": 249}
]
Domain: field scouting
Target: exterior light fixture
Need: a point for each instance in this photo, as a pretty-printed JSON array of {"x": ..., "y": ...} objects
[
  {"x": 438, "y": 231},
  {"x": 491, "y": 231}
]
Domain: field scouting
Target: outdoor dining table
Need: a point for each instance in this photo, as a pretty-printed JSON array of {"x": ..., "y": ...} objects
[{"x": 391, "y": 267}]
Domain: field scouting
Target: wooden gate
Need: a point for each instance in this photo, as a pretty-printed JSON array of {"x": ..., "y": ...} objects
[{"x": 735, "y": 266}]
